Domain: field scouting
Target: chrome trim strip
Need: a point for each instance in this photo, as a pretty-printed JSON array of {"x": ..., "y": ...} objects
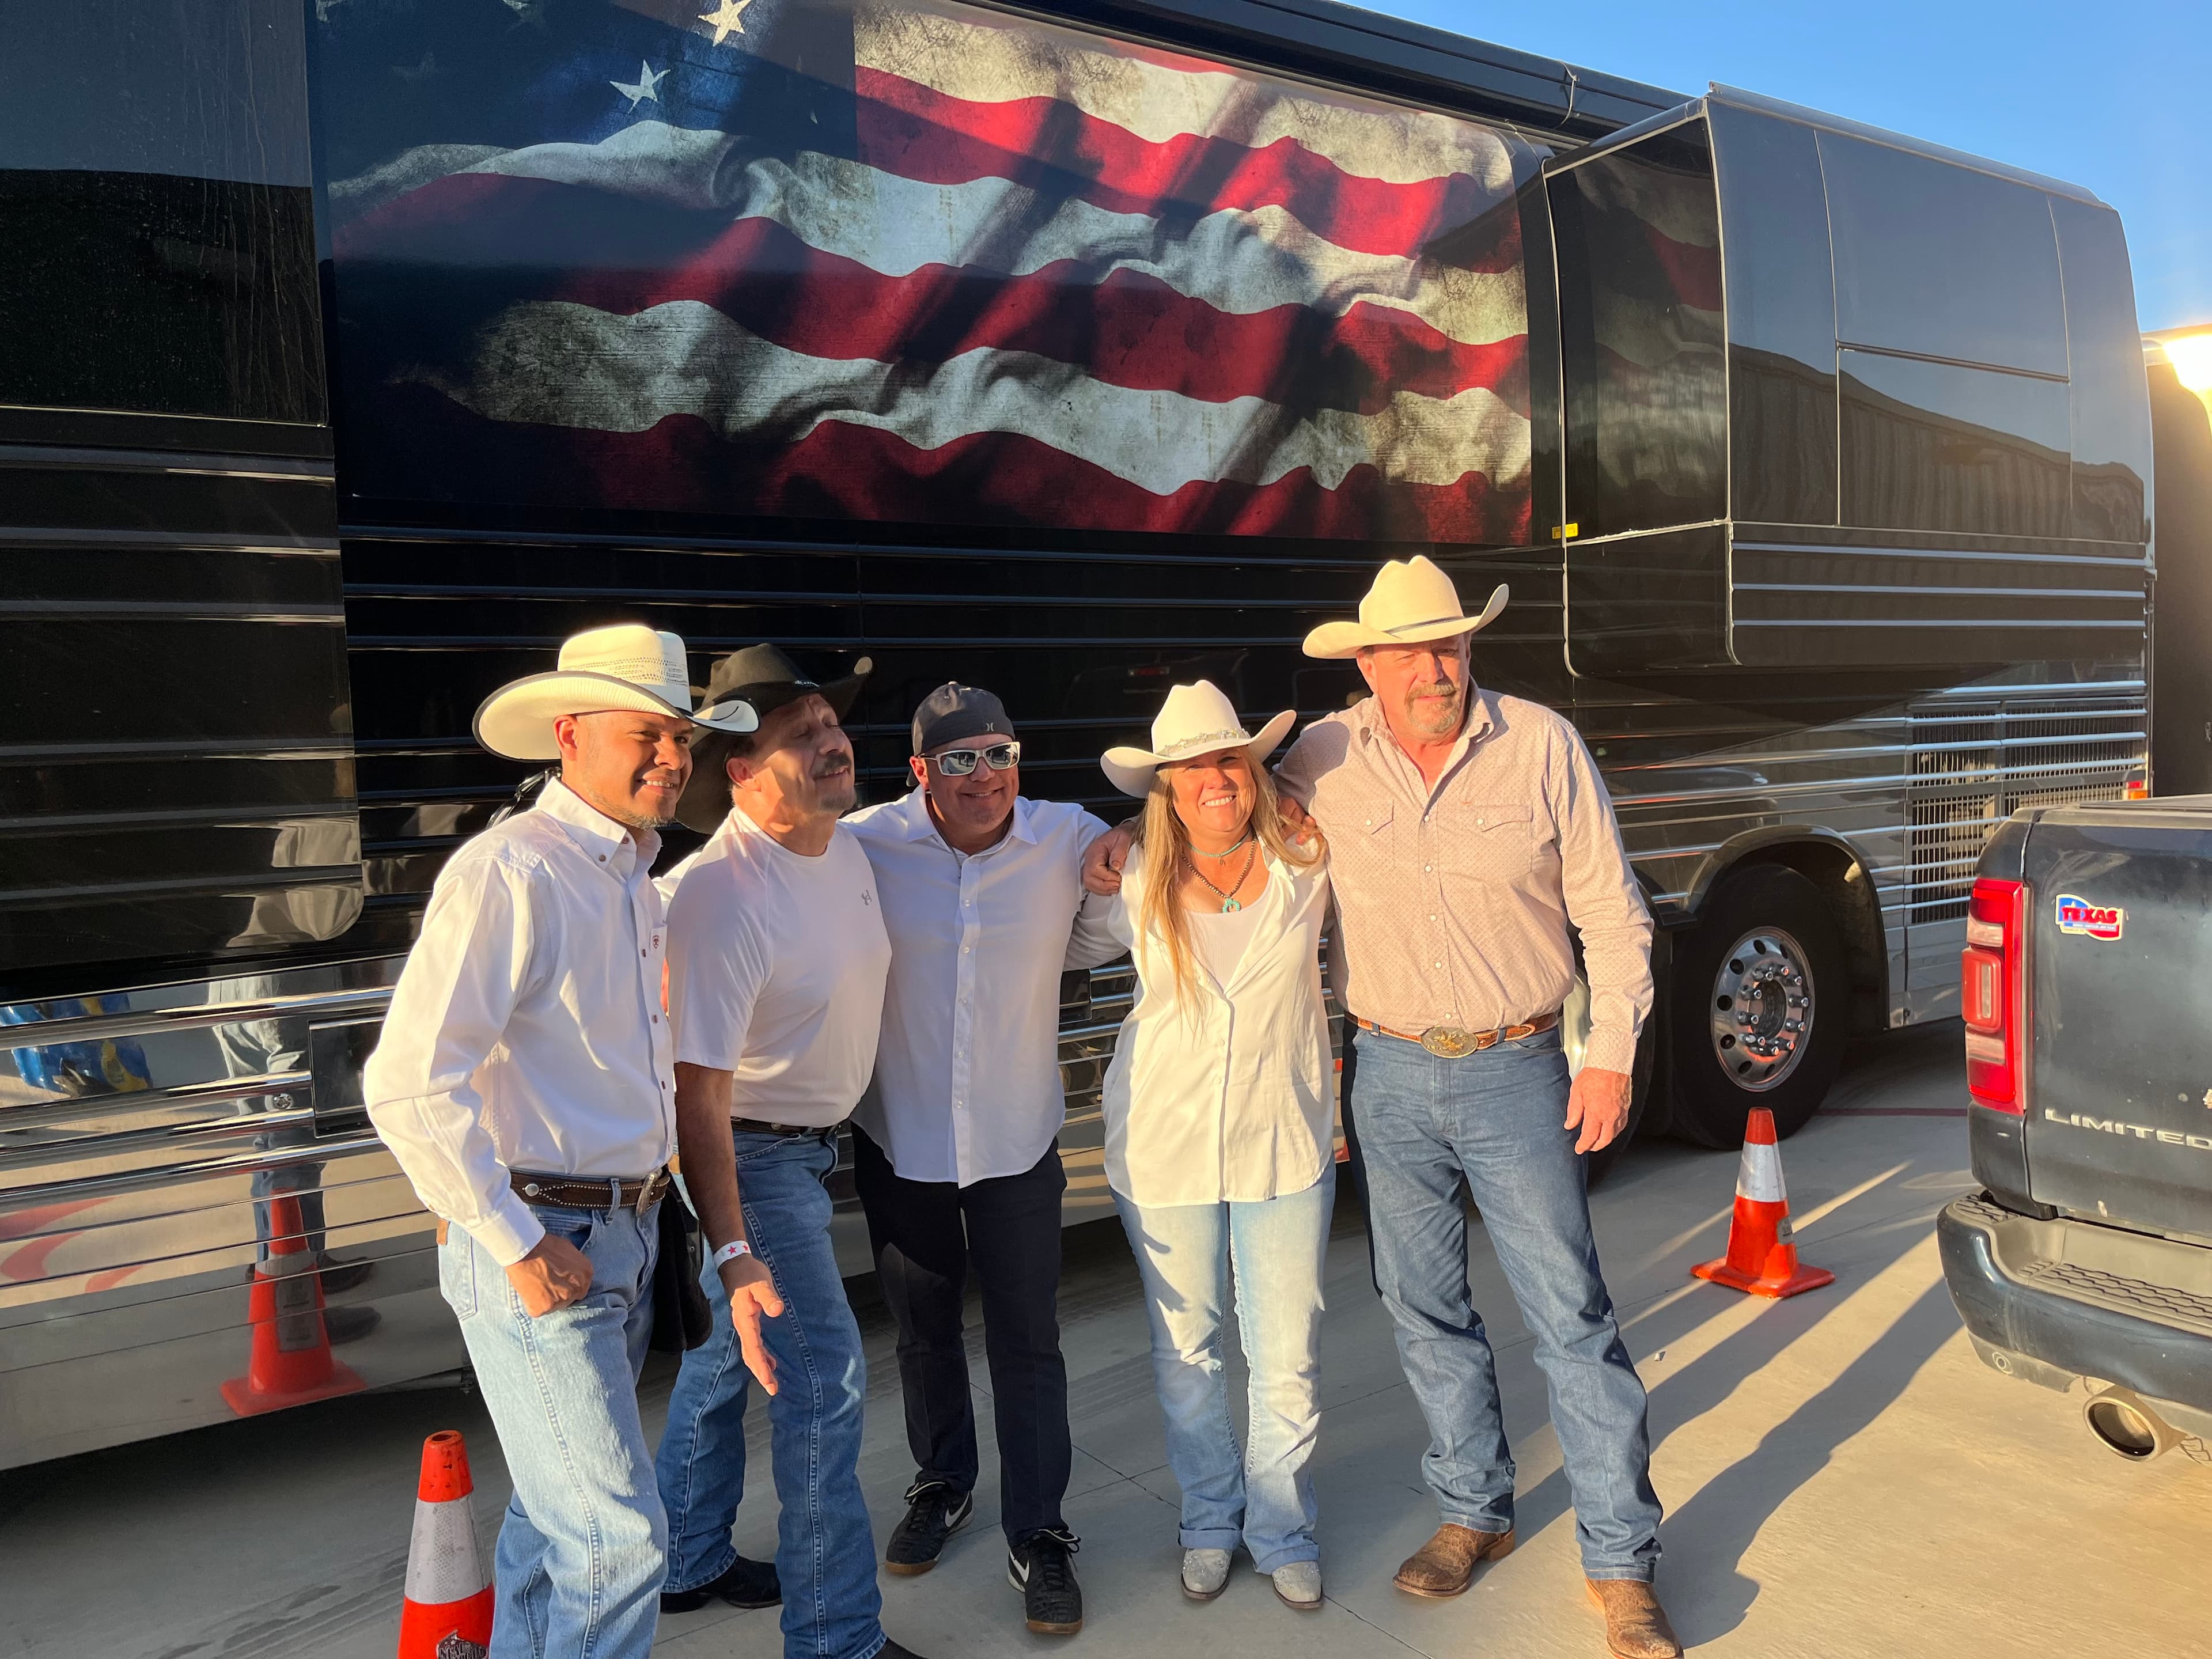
[
  {"x": 196, "y": 1016},
  {"x": 171, "y": 1175},
  {"x": 72, "y": 1108}
]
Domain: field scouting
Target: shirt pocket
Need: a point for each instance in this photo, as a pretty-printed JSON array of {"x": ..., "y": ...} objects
[
  {"x": 1360, "y": 847},
  {"x": 1489, "y": 842}
]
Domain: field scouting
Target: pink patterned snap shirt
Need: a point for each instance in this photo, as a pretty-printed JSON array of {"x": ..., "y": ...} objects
[{"x": 1454, "y": 904}]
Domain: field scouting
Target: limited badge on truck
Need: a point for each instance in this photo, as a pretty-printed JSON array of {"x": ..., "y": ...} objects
[{"x": 2078, "y": 915}]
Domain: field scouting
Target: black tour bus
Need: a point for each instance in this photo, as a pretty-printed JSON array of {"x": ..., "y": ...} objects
[{"x": 357, "y": 352}]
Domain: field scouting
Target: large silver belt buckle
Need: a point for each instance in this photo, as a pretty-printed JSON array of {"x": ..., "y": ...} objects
[{"x": 1448, "y": 1042}]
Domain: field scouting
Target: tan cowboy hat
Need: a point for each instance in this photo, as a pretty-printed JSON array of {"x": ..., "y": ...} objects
[
  {"x": 1195, "y": 719},
  {"x": 627, "y": 666},
  {"x": 1412, "y": 603}
]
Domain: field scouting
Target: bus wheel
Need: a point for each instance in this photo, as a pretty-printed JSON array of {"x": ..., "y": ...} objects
[{"x": 1761, "y": 1003}]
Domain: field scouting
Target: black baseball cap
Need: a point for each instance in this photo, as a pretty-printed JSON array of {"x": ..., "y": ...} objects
[{"x": 955, "y": 711}]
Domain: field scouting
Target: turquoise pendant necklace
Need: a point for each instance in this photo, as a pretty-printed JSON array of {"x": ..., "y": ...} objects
[{"x": 1228, "y": 895}]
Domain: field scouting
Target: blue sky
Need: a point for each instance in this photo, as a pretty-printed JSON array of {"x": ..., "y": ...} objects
[{"x": 2112, "y": 94}]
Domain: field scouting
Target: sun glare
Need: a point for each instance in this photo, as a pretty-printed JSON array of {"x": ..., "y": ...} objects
[{"x": 2192, "y": 357}]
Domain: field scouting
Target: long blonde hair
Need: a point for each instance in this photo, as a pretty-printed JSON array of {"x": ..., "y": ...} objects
[{"x": 1167, "y": 842}]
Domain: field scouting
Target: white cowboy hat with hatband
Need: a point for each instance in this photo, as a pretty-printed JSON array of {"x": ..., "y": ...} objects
[
  {"x": 1195, "y": 719},
  {"x": 626, "y": 666},
  {"x": 1411, "y": 603}
]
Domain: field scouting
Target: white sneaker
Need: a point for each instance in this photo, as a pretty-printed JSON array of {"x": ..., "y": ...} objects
[
  {"x": 1205, "y": 1573},
  {"x": 1299, "y": 1585}
]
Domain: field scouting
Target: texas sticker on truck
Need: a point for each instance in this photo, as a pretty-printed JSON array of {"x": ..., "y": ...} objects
[{"x": 2078, "y": 915}]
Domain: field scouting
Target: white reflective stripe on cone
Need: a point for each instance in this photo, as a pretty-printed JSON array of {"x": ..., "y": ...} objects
[
  {"x": 443, "y": 1563},
  {"x": 1758, "y": 1177}
]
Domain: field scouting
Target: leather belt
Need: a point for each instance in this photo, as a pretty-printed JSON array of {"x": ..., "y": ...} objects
[
  {"x": 753, "y": 1126},
  {"x": 1450, "y": 1042},
  {"x": 639, "y": 1193}
]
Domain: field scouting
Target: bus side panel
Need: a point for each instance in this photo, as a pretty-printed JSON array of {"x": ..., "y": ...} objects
[{"x": 195, "y": 1222}]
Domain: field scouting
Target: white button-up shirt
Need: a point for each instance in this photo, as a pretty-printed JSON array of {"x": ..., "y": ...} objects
[
  {"x": 967, "y": 1085},
  {"x": 1233, "y": 1100},
  {"x": 526, "y": 1031}
]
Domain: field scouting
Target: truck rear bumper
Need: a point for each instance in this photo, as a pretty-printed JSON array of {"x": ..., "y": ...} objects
[{"x": 2085, "y": 1300}]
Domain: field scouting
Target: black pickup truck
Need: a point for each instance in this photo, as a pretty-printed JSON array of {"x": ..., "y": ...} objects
[{"x": 2087, "y": 1257}]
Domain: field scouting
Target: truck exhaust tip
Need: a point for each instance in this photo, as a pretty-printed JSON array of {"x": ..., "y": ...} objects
[{"x": 2120, "y": 1420}]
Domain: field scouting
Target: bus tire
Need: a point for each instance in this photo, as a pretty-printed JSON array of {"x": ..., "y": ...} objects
[{"x": 1761, "y": 1008}]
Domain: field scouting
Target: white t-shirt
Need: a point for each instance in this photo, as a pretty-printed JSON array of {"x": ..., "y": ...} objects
[
  {"x": 1220, "y": 937},
  {"x": 776, "y": 964}
]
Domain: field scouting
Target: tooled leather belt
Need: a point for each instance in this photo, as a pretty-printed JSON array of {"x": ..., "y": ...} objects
[
  {"x": 1450, "y": 1042},
  {"x": 638, "y": 1193}
]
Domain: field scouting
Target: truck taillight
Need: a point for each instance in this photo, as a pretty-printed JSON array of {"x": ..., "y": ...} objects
[{"x": 1991, "y": 992}]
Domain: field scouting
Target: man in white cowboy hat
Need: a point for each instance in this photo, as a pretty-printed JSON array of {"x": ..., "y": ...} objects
[
  {"x": 956, "y": 1151},
  {"x": 526, "y": 1084},
  {"x": 1472, "y": 842},
  {"x": 776, "y": 962}
]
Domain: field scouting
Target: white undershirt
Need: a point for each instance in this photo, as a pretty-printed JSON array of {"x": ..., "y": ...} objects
[{"x": 1220, "y": 937}]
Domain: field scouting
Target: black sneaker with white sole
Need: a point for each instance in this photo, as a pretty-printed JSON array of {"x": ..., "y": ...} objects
[
  {"x": 934, "y": 1513},
  {"x": 1042, "y": 1568}
]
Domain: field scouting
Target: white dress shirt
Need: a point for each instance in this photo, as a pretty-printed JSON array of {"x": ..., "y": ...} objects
[
  {"x": 775, "y": 971},
  {"x": 1232, "y": 1100},
  {"x": 526, "y": 1032},
  {"x": 968, "y": 1084}
]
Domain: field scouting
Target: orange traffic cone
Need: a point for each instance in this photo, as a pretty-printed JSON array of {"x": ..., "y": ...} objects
[
  {"x": 1762, "y": 1258},
  {"x": 290, "y": 1363},
  {"x": 447, "y": 1612}
]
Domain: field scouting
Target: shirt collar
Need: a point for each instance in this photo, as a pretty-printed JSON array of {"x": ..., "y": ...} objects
[
  {"x": 1480, "y": 721},
  {"x": 598, "y": 836},
  {"x": 920, "y": 826}
]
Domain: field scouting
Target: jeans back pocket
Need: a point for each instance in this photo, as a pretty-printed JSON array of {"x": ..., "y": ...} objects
[{"x": 457, "y": 1272}]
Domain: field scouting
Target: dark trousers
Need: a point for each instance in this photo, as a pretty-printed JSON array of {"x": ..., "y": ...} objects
[{"x": 926, "y": 1235}]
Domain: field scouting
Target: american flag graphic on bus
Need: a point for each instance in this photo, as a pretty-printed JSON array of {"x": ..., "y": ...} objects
[{"x": 897, "y": 262}]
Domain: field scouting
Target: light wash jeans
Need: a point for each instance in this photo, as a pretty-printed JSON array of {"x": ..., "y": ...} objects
[
  {"x": 582, "y": 1548},
  {"x": 1496, "y": 1121},
  {"x": 825, "y": 1551},
  {"x": 1185, "y": 1253}
]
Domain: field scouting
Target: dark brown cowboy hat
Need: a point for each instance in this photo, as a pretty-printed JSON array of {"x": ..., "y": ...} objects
[{"x": 762, "y": 678}]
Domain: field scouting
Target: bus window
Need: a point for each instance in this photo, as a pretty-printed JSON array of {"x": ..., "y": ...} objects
[
  {"x": 155, "y": 211},
  {"x": 1940, "y": 447},
  {"x": 1637, "y": 236},
  {"x": 1781, "y": 319},
  {"x": 2111, "y": 427},
  {"x": 1941, "y": 261},
  {"x": 1953, "y": 398}
]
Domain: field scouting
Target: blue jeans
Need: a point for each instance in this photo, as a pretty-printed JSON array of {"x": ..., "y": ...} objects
[
  {"x": 825, "y": 1552},
  {"x": 582, "y": 1548},
  {"x": 1185, "y": 1253},
  {"x": 1495, "y": 1121}
]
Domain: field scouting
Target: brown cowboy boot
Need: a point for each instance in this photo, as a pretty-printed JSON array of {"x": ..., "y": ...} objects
[
  {"x": 1636, "y": 1626},
  {"x": 1445, "y": 1565}
]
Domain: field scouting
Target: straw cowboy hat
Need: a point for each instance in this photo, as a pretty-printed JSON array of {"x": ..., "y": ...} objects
[
  {"x": 762, "y": 677},
  {"x": 1195, "y": 719},
  {"x": 626, "y": 666},
  {"x": 1412, "y": 603}
]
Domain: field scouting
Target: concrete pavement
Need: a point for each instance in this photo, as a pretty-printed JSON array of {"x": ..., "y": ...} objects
[{"x": 1841, "y": 1476}]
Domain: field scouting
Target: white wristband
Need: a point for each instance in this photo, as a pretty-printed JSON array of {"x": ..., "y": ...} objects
[{"x": 731, "y": 1252}]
